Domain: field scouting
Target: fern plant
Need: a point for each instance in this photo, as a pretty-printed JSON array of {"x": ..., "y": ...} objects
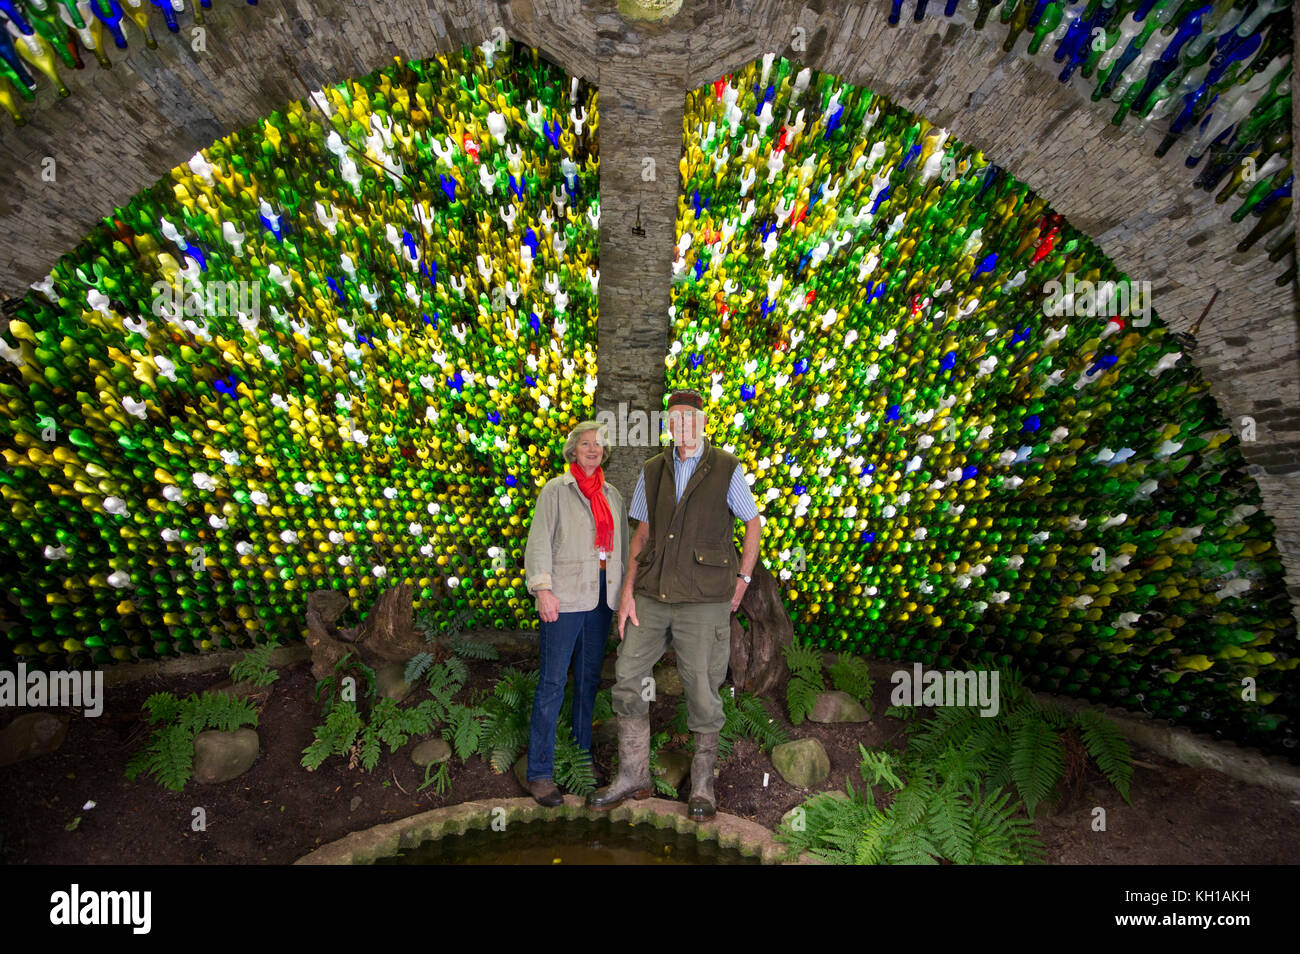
[
  {"x": 417, "y": 666},
  {"x": 747, "y": 717},
  {"x": 1022, "y": 745},
  {"x": 806, "y": 682},
  {"x": 851, "y": 674},
  {"x": 506, "y": 724},
  {"x": 474, "y": 649},
  {"x": 254, "y": 668},
  {"x": 337, "y": 735},
  {"x": 392, "y": 725},
  {"x": 437, "y": 775},
  {"x": 507, "y": 713},
  {"x": 349, "y": 673},
  {"x": 169, "y": 755},
  {"x": 461, "y": 648},
  {"x": 940, "y": 810}
]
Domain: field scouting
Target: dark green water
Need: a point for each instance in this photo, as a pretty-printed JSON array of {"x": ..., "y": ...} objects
[{"x": 570, "y": 842}]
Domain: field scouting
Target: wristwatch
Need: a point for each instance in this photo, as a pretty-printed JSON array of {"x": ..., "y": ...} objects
[{"x": 747, "y": 579}]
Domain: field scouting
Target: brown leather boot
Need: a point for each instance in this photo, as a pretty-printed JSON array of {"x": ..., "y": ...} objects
[
  {"x": 545, "y": 792},
  {"x": 633, "y": 777},
  {"x": 703, "y": 804}
]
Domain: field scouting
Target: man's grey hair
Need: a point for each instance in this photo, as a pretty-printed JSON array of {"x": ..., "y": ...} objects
[{"x": 575, "y": 435}]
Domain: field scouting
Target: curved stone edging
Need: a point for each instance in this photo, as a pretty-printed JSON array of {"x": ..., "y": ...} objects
[{"x": 366, "y": 846}]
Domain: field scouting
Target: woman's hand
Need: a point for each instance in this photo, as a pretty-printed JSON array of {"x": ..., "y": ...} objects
[{"x": 548, "y": 607}]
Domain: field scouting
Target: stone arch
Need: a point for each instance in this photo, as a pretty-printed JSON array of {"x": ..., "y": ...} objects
[{"x": 123, "y": 128}]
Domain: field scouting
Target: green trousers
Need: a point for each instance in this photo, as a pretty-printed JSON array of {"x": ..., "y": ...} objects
[{"x": 701, "y": 638}]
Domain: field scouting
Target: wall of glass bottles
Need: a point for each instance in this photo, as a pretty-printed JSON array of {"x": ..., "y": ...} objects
[
  {"x": 339, "y": 349},
  {"x": 953, "y": 456}
]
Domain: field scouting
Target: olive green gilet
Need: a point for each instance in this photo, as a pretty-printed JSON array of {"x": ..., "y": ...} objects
[{"x": 691, "y": 554}]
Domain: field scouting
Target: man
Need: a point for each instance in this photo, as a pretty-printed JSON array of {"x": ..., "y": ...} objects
[{"x": 682, "y": 576}]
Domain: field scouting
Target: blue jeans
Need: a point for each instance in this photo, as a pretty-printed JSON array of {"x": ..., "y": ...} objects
[{"x": 576, "y": 637}]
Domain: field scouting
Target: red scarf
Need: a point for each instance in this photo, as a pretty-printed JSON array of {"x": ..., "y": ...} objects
[{"x": 591, "y": 488}]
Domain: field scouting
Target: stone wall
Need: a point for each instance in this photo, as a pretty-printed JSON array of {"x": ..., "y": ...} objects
[{"x": 123, "y": 128}]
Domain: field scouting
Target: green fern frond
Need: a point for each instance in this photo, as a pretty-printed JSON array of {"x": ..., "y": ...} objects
[
  {"x": 464, "y": 730},
  {"x": 162, "y": 707},
  {"x": 1037, "y": 761},
  {"x": 169, "y": 758},
  {"x": 474, "y": 649},
  {"x": 458, "y": 668},
  {"x": 217, "y": 710},
  {"x": 803, "y": 659},
  {"x": 417, "y": 666},
  {"x": 949, "y": 724},
  {"x": 801, "y": 697},
  {"x": 905, "y": 713},
  {"x": 371, "y": 747},
  {"x": 851, "y": 674},
  {"x": 911, "y": 846},
  {"x": 1054, "y": 715},
  {"x": 436, "y": 774},
  {"x": 878, "y": 768},
  {"x": 427, "y": 625},
  {"x": 950, "y": 821},
  {"x": 573, "y": 769},
  {"x": 872, "y": 842},
  {"x": 1108, "y": 749},
  {"x": 910, "y": 803},
  {"x": 961, "y": 768},
  {"x": 998, "y": 835},
  {"x": 756, "y": 722},
  {"x": 506, "y": 753},
  {"x": 333, "y": 737},
  {"x": 254, "y": 667}
]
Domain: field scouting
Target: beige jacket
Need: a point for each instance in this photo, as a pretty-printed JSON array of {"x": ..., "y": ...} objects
[{"x": 561, "y": 552}]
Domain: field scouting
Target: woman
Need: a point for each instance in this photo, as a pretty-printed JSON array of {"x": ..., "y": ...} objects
[{"x": 577, "y": 548}]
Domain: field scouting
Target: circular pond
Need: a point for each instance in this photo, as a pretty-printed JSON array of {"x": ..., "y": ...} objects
[
  {"x": 519, "y": 831},
  {"x": 571, "y": 841}
]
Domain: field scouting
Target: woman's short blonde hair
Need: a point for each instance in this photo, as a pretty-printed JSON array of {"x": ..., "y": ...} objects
[{"x": 575, "y": 435}]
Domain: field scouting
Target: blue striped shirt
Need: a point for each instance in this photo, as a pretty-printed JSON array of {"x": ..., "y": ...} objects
[{"x": 739, "y": 497}]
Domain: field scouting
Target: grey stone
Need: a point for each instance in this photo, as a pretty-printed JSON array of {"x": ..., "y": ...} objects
[
  {"x": 30, "y": 735},
  {"x": 675, "y": 766},
  {"x": 803, "y": 763},
  {"x": 355, "y": 803},
  {"x": 835, "y": 705},
  {"x": 221, "y": 756},
  {"x": 390, "y": 682},
  {"x": 431, "y": 752}
]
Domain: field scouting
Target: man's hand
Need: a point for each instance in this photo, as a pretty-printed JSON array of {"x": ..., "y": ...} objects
[
  {"x": 741, "y": 586},
  {"x": 626, "y": 611},
  {"x": 548, "y": 607}
]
